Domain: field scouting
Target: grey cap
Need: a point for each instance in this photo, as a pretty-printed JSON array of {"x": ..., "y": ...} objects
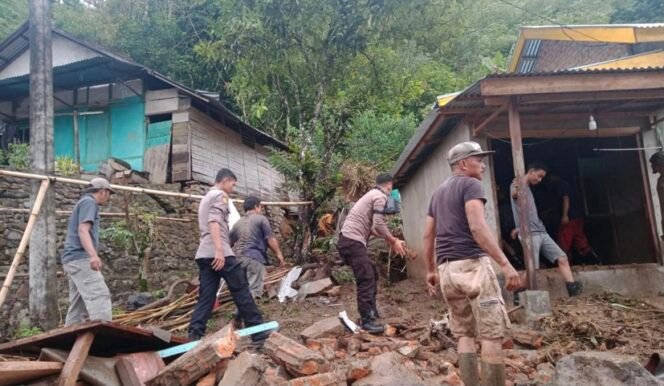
[
  {"x": 101, "y": 183},
  {"x": 464, "y": 150}
]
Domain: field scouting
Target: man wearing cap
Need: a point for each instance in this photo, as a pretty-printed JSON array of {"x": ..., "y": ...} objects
[
  {"x": 216, "y": 260},
  {"x": 657, "y": 164},
  {"x": 89, "y": 297},
  {"x": 464, "y": 247},
  {"x": 365, "y": 219}
]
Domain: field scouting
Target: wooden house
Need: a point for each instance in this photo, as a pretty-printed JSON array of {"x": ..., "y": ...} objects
[{"x": 109, "y": 106}]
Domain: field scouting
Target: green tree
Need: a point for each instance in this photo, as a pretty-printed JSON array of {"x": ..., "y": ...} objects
[
  {"x": 641, "y": 11},
  {"x": 12, "y": 14}
]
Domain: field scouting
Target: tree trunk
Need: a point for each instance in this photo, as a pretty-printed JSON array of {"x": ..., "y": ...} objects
[{"x": 42, "y": 264}]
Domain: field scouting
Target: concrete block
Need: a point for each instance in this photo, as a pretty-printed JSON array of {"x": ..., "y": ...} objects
[
  {"x": 246, "y": 369},
  {"x": 330, "y": 327},
  {"x": 536, "y": 304}
]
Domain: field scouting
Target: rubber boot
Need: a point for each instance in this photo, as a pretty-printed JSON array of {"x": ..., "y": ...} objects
[
  {"x": 194, "y": 336},
  {"x": 468, "y": 369},
  {"x": 493, "y": 374},
  {"x": 371, "y": 325},
  {"x": 574, "y": 288}
]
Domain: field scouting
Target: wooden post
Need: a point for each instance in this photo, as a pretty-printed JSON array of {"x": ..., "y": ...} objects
[
  {"x": 76, "y": 359},
  {"x": 18, "y": 257},
  {"x": 519, "y": 172},
  {"x": 77, "y": 146},
  {"x": 42, "y": 299}
]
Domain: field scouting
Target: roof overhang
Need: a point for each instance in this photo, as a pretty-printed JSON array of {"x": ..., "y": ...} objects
[
  {"x": 552, "y": 105},
  {"x": 608, "y": 33}
]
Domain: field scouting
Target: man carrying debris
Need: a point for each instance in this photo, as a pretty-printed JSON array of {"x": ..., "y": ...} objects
[
  {"x": 216, "y": 260},
  {"x": 542, "y": 242},
  {"x": 89, "y": 297},
  {"x": 250, "y": 237},
  {"x": 464, "y": 246},
  {"x": 366, "y": 218}
]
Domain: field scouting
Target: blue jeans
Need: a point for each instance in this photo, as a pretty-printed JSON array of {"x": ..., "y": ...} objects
[{"x": 236, "y": 279}]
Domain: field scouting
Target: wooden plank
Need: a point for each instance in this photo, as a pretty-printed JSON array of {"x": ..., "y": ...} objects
[
  {"x": 180, "y": 117},
  {"x": 94, "y": 368},
  {"x": 153, "y": 95},
  {"x": 572, "y": 133},
  {"x": 592, "y": 82},
  {"x": 77, "y": 357},
  {"x": 161, "y": 106},
  {"x": 126, "y": 373},
  {"x": 156, "y": 163},
  {"x": 628, "y": 95},
  {"x": 199, "y": 361},
  {"x": 18, "y": 372},
  {"x": 519, "y": 172}
]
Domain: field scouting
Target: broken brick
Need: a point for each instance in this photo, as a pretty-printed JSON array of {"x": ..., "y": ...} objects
[
  {"x": 340, "y": 354},
  {"x": 330, "y": 327},
  {"x": 409, "y": 350},
  {"x": 274, "y": 376},
  {"x": 246, "y": 369},
  {"x": 296, "y": 358},
  {"x": 375, "y": 351},
  {"x": 353, "y": 345},
  {"x": 358, "y": 369},
  {"x": 199, "y": 361},
  {"x": 390, "y": 331},
  {"x": 323, "y": 379},
  {"x": 317, "y": 344}
]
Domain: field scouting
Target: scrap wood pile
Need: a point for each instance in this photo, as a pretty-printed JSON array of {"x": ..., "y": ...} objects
[
  {"x": 172, "y": 313},
  {"x": 604, "y": 322},
  {"x": 93, "y": 353}
]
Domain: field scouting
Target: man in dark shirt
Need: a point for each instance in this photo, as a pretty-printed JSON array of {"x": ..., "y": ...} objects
[
  {"x": 250, "y": 237},
  {"x": 89, "y": 297},
  {"x": 216, "y": 260},
  {"x": 464, "y": 246}
]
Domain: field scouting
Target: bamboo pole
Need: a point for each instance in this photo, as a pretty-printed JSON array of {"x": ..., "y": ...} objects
[
  {"x": 103, "y": 214},
  {"x": 11, "y": 173},
  {"x": 18, "y": 257}
]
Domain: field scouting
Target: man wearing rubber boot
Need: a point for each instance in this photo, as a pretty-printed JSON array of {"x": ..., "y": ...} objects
[
  {"x": 365, "y": 219},
  {"x": 216, "y": 260},
  {"x": 464, "y": 246}
]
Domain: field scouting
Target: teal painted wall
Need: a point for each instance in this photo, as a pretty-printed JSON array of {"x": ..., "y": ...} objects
[{"x": 119, "y": 132}]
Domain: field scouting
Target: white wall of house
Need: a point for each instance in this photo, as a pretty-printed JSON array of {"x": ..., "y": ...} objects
[
  {"x": 417, "y": 192},
  {"x": 64, "y": 50}
]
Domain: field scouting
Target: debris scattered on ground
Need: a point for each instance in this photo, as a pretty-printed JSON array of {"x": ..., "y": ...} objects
[{"x": 174, "y": 315}]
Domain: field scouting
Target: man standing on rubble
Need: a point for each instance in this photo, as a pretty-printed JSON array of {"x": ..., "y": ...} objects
[
  {"x": 216, "y": 260},
  {"x": 542, "y": 243},
  {"x": 366, "y": 218},
  {"x": 250, "y": 237},
  {"x": 464, "y": 246},
  {"x": 89, "y": 297}
]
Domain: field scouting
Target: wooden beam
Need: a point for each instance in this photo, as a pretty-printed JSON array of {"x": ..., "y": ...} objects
[
  {"x": 522, "y": 196},
  {"x": 571, "y": 133},
  {"x": 75, "y": 360},
  {"x": 20, "y": 372},
  {"x": 568, "y": 83},
  {"x": 478, "y": 129},
  {"x": 588, "y": 97}
]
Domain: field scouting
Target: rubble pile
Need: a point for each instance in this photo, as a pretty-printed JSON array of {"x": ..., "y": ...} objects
[{"x": 604, "y": 322}]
